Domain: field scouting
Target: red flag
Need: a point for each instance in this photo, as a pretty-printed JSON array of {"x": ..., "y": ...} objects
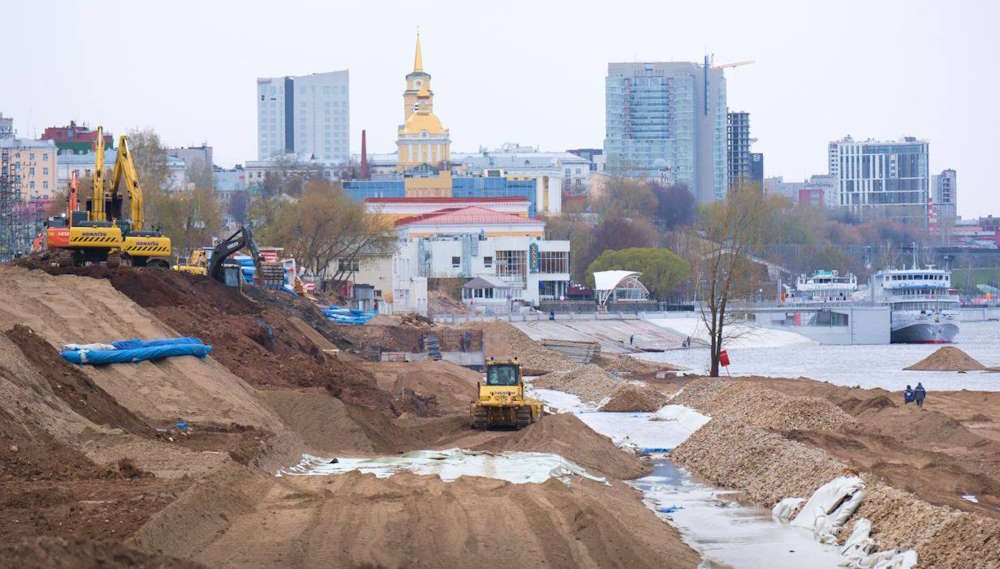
[{"x": 724, "y": 358}]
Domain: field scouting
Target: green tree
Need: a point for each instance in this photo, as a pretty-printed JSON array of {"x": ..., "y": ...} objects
[
  {"x": 662, "y": 271},
  {"x": 190, "y": 218}
]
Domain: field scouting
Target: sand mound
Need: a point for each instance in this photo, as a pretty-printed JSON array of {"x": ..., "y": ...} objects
[
  {"x": 72, "y": 309},
  {"x": 451, "y": 387},
  {"x": 502, "y": 340},
  {"x": 948, "y": 358},
  {"x": 631, "y": 397},
  {"x": 54, "y": 553},
  {"x": 355, "y": 520},
  {"x": 589, "y": 382},
  {"x": 566, "y": 435}
]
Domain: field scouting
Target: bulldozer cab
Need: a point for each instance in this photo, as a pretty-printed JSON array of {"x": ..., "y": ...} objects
[{"x": 503, "y": 374}]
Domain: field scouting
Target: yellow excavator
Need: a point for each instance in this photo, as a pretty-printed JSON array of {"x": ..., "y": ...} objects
[
  {"x": 196, "y": 263},
  {"x": 500, "y": 401},
  {"x": 102, "y": 233}
]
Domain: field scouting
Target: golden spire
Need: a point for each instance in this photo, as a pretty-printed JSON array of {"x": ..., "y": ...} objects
[{"x": 418, "y": 61}]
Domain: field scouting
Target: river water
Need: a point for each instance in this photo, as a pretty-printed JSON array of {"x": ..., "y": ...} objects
[{"x": 864, "y": 366}]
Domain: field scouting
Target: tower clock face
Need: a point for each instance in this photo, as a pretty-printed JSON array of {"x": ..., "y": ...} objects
[{"x": 419, "y": 82}]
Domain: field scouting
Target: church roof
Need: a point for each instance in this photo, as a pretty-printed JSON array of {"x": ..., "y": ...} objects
[
  {"x": 418, "y": 60},
  {"x": 421, "y": 121}
]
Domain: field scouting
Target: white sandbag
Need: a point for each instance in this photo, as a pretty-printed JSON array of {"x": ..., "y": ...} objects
[
  {"x": 859, "y": 552},
  {"x": 830, "y": 506},
  {"x": 80, "y": 347},
  {"x": 785, "y": 509}
]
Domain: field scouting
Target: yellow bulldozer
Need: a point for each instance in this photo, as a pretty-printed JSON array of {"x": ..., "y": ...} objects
[{"x": 500, "y": 400}]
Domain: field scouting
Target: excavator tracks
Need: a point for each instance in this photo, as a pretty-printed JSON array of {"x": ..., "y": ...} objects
[
  {"x": 480, "y": 420},
  {"x": 524, "y": 417}
]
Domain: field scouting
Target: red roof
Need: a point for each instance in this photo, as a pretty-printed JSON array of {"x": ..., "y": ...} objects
[
  {"x": 498, "y": 199},
  {"x": 471, "y": 215}
]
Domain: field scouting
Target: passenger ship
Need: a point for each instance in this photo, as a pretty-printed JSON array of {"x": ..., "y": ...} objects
[
  {"x": 923, "y": 308},
  {"x": 825, "y": 286}
]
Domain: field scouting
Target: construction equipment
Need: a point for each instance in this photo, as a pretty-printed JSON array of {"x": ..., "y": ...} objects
[
  {"x": 196, "y": 263},
  {"x": 500, "y": 401},
  {"x": 269, "y": 274},
  {"x": 101, "y": 233}
]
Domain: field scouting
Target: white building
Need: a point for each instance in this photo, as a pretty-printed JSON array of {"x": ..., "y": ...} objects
[
  {"x": 308, "y": 116},
  {"x": 567, "y": 171},
  {"x": 504, "y": 256},
  {"x": 882, "y": 178}
]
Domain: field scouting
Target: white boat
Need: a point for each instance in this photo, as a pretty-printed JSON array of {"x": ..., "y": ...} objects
[
  {"x": 922, "y": 306},
  {"x": 825, "y": 286}
]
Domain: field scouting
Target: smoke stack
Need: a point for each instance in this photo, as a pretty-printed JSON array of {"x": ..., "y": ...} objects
[{"x": 364, "y": 155}]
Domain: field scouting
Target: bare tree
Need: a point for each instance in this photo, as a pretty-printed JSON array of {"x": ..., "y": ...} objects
[{"x": 732, "y": 229}]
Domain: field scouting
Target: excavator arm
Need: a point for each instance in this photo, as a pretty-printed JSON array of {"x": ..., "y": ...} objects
[
  {"x": 243, "y": 237},
  {"x": 125, "y": 168},
  {"x": 97, "y": 212}
]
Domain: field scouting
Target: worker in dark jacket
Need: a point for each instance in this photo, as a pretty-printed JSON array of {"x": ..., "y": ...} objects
[
  {"x": 908, "y": 395},
  {"x": 919, "y": 394}
]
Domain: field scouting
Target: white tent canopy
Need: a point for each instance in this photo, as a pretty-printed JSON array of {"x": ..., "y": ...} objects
[{"x": 619, "y": 285}]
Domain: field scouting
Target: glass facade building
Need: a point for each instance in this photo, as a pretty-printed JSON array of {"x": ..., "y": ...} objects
[
  {"x": 891, "y": 176},
  {"x": 667, "y": 121}
]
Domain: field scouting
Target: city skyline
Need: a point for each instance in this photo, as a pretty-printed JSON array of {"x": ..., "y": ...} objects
[{"x": 819, "y": 74}]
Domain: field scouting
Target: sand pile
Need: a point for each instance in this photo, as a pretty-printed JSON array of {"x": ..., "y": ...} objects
[
  {"x": 502, "y": 340},
  {"x": 355, "y": 520},
  {"x": 450, "y": 386},
  {"x": 948, "y": 358},
  {"x": 588, "y": 382},
  {"x": 631, "y": 398},
  {"x": 567, "y": 436},
  {"x": 699, "y": 393},
  {"x": 54, "y": 553}
]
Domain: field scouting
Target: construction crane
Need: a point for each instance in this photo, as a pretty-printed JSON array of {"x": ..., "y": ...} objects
[{"x": 732, "y": 65}]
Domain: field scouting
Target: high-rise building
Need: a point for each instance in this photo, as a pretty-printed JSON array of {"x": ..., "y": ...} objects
[
  {"x": 307, "y": 116},
  {"x": 738, "y": 149},
  {"x": 668, "y": 121},
  {"x": 946, "y": 196},
  {"x": 882, "y": 178},
  {"x": 757, "y": 170}
]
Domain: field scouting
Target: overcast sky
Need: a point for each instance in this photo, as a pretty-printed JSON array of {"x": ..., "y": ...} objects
[{"x": 527, "y": 72}]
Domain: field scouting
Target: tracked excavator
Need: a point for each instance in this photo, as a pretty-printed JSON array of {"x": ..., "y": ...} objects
[
  {"x": 500, "y": 401},
  {"x": 269, "y": 274},
  {"x": 101, "y": 233}
]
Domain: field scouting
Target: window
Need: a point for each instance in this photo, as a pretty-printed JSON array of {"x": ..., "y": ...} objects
[
  {"x": 348, "y": 266},
  {"x": 488, "y": 262},
  {"x": 45, "y": 171},
  {"x": 511, "y": 263},
  {"x": 45, "y": 185},
  {"x": 45, "y": 156},
  {"x": 31, "y": 171},
  {"x": 553, "y": 261},
  {"x": 456, "y": 262}
]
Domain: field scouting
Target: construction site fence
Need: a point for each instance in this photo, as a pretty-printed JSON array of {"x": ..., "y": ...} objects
[{"x": 539, "y": 316}]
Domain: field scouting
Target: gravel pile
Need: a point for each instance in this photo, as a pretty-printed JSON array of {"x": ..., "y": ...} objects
[
  {"x": 588, "y": 382},
  {"x": 625, "y": 364},
  {"x": 502, "y": 340},
  {"x": 942, "y": 537},
  {"x": 762, "y": 407},
  {"x": 764, "y": 464},
  {"x": 635, "y": 398},
  {"x": 699, "y": 393}
]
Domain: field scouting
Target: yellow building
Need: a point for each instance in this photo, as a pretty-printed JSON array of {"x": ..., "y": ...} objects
[{"x": 422, "y": 140}]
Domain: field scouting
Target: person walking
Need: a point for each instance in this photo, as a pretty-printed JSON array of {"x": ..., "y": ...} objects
[
  {"x": 919, "y": 394},
  {"x": 630, "y": 339},
  {"x": 908, "y": 395}
]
